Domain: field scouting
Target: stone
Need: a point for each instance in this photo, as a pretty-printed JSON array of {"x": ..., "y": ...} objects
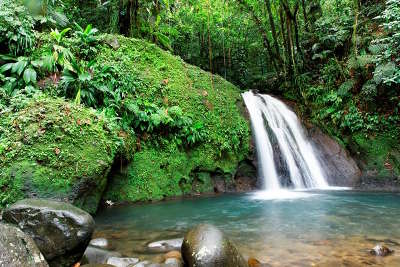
[
  {"x": 114, "y": 43},
  {"x": 18, "y": 249},
  {"x": 98, "y": 255},
  {"x": 60, "y": 230},
  {"x": 173, "y": 262},
  {"x": 253, "y": 262},
  {"x": 99, "y": 242},
  {"x": 339, "y": 167},
  {"x": 166, "y": 245},
  {"x": 173, "y": 254},
  {"x": 206, "y": 246},
  {"x": 122, "y": 262},
  {"x": 97, "y": 265},
  {"x": 382, "y": 251},
  {"x": 142, "y": 264}
]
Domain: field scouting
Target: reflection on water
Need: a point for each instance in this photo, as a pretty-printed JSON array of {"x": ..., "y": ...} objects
[{"x": 313, "y": 229}]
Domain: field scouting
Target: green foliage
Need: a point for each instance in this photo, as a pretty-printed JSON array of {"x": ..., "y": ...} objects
[
  {"x": 18, "y": 73},
  {"x": 86, "y": 35},
  {"x": 16, "y": 28}
]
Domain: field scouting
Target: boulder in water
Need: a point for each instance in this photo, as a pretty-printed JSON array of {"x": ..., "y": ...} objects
[
  {"x": 60, "y": 230},
  {"x": 99, "y": 242},
  {"x": 97, "y": 265},
  {"x": 166, "y": 245},
  {"x": 380, "y": 250},
  {"x": 206, "y": 246},
  {"x": 122, "y": 262},
  {"x": 18, "y": 249},
  {"x": 97, "y": 255}
]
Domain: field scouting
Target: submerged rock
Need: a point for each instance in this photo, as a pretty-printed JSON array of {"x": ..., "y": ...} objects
[
  {"x": 60, "y": 230},
  {"x": 98, "y": 255},
  {"x": 166, "y": 245},
  {"x": 206, "y": 246},
  {"x": 173, "y": 254},
  {"x": 142, "y": 264},
  {"x": 99, "y": 242},
  {"x": 380, "y": 250},
  {"x": 173, "y": 262},
  {"x": 97, "y": 265},
  {"x": 18, "y": 249},
  {"x": 122, "y": 262}
]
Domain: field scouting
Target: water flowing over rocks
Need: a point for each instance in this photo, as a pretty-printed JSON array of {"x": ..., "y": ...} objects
[
  {"x": 60, "y": 230},
  {"x": 18, "y": 249},
  {"x": 206, "y": 246}
]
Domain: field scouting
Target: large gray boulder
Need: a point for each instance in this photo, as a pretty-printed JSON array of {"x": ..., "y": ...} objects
[
  {"x": 18, "y": 249},
  {"x": 60, "y": 230},
  {"x": 206, "y": 246},
  {"x": 339, "y": 167}
]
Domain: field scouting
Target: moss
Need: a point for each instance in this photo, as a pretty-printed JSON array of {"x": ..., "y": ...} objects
[
  {"x": 380, "y": 154},
  {"x": 164, "y": 169},
  {"x": 54, "y": 149}
]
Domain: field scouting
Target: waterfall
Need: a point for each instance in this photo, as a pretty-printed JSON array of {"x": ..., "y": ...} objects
[{"x": 273, "y": 123}]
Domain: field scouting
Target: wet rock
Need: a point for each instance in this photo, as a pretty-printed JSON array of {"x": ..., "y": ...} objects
[
  {"x": 18, "y": 249},
  {"x": 173, "y": 254},
  {"x": 206, "y": 246},
  {"x": 173, "y": 262},
  {"x": 339, "y": 166},
  {"x": 256, "y": 263},
  {"x": 98, "y": 255},
  {"x": 166, "y": 245},
  {"x": 380, "y": 250},
  {"x": 99, "y": 242},
  {"x": 122, "y": 262},
  {"x": 60, "y": 230},
  {"x": 142, "y": 264},
  {"x": 97, "y": 265},
  {"x": 253, "y": 262}
]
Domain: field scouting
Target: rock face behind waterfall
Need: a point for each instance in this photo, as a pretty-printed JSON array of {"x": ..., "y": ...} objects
[
  {"x": 206, "y": 246},
  {"x": 60, "y": 230},
  {"x": 339, "y": 167}
]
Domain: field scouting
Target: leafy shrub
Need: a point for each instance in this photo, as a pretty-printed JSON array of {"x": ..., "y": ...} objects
[
  {"x": 16, "y": 28},
  {"x": 146, "y": 117}
]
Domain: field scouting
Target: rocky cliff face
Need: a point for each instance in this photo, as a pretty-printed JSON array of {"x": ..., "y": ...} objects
[{"x": 341, "y": 169}]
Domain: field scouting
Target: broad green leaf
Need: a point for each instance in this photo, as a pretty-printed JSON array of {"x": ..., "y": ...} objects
[
  {"x": 30, "y": 75},
  {"x": 19, "y": 67}
]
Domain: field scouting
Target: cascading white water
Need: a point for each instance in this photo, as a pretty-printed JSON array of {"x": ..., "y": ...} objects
[{"x": 268, "y": 113}]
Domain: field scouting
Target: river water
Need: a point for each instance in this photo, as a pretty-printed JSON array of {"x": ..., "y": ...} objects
[{"x": 307, "y": 228}]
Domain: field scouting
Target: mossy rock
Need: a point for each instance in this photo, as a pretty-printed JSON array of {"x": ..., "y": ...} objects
[
  {"x": 50, "y": 148},
  {"x": 379, "y": 155},
  {"x": 165, "y": 168}
]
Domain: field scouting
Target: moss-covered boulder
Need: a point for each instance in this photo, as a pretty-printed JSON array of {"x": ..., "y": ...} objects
[
  {"x": 168, "y": 168},
  {"x": 379, "y": 159},
  {"x": 50, "y": 148}
]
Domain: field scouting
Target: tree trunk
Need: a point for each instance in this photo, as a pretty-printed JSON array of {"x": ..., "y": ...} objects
[
  {"x": 303, "y": 4},
  {"x": 274, "y": 35},
  {"x": 263, "y": 33}
]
